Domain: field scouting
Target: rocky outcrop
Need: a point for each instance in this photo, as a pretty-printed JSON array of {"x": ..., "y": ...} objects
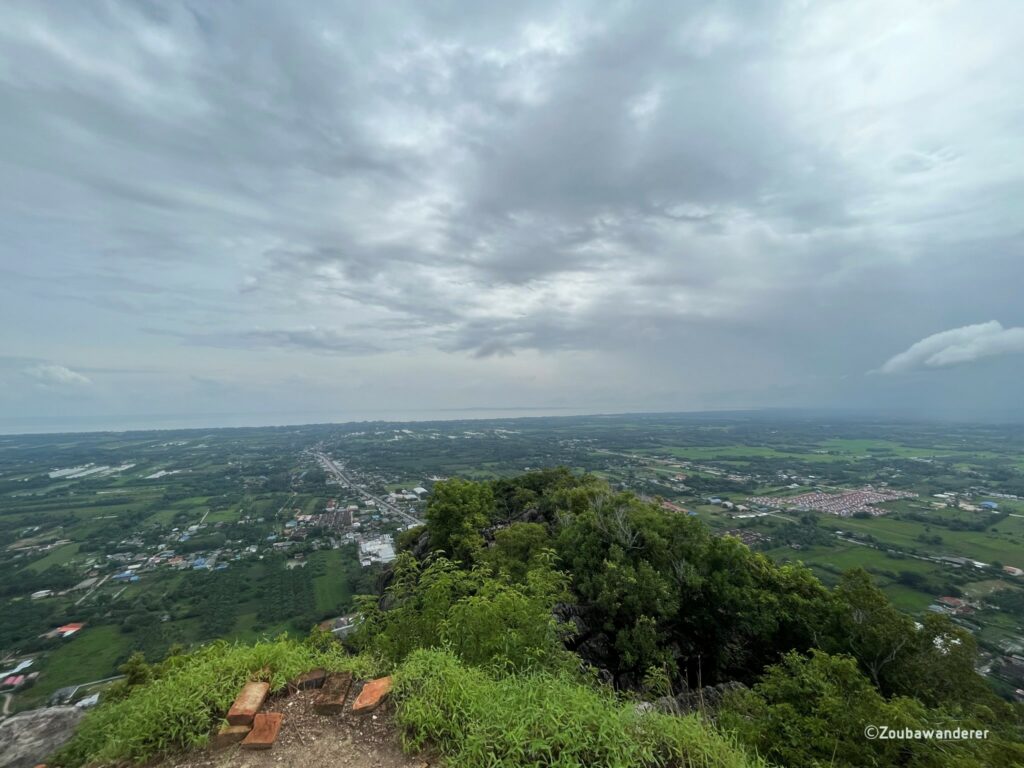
[
  {"x": 421, "y": 547},
  {"x": 707, "y": 699},
  {"x": 594, "y": 647},
  {"x": 26, "y": 739}
]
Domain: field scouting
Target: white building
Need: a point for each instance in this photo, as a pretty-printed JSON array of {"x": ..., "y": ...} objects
[{"x": 379, "y": 549}]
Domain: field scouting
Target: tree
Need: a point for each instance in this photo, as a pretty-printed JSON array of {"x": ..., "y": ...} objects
[
  {"x": 938, "y": 667},
  {"x": 517, "y": 549},
  {"x": 869, "y": 627},
  {"x": 456, "y": 512}
]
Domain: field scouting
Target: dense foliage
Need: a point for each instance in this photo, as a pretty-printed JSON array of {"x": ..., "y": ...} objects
[
  {"x": 485, "y": 621},
  {"x": 807, "y": 708},
  {"x": 654, "y": 592}
]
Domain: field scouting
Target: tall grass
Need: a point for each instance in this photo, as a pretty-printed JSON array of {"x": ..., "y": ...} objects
[
  {"x": 190, "y": 696},
  {"x": 540, "y": 719}
]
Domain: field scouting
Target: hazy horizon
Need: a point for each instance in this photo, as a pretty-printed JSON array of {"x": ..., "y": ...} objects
[
  {"x": 271, "y": 209},
  {"x": 215, "y": 421}
]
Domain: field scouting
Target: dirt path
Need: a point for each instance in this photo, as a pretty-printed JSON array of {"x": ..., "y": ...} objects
[{"x": 308, "y": 740}]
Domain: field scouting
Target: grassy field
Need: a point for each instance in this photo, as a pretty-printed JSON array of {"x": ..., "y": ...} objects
[
  {"x": 332, "y": 588},
  {"x": 91, "y": 655},
  {"x": 829, "y": 562},
  {"x": 1005, "y": 547},
  {"x": 60, "y": 556},
  {"x": 906, "y": 598}
]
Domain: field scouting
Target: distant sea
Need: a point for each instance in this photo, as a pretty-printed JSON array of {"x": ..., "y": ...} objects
[{"x": 37, "y": 425}]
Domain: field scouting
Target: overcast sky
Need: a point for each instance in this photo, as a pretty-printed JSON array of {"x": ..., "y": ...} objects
[{"x": 218, "y": 208}]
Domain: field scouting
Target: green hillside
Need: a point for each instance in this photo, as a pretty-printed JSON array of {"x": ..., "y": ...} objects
[{"x": 552, "y": 622}]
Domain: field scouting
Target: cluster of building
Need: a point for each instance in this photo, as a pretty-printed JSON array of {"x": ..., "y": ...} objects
[
  {"x": 842, "y": 504},
  {"x": 962, "y": 501},
  {"x": 673, "y": 507},
  {"x": 378, "y": 549},
  {"x": 748, "y": 537},
  {"x": 953, "y": 606},
  {"x": 736, "y": 510},
  {"x": 416, "y": 494}
]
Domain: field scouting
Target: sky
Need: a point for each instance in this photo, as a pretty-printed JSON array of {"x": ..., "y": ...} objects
[{"x": 290, "y": 212}]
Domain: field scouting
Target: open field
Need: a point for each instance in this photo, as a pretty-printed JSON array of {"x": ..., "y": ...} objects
[{"x": 92, "y": 655}]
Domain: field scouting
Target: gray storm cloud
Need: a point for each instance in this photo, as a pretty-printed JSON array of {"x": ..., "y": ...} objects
[
  {"x": 612, "y": 206},
  {"x": 957, "y": 346}
]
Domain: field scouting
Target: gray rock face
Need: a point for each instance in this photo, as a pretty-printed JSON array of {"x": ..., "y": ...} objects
[
  {"x": 422, "y": 546},
  {"x": 26, "y": 739},
  {"x": 708, "y": 699}
]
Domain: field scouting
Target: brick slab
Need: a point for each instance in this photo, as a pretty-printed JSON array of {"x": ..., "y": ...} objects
[
  {"x": 331, "y": 699},
  {"x": 373, "y": 693},
  {"x": 228, "y": 735},
  {"x": 248, "y": 703},
  {"x": 265, "y": 727},
  {"x": 313, "y": 679}
]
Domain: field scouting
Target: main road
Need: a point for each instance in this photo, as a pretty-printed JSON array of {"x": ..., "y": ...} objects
[{"x": 330, "y": 465}]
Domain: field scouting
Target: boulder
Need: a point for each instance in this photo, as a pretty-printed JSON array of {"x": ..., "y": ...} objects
[{"x": 28, "y": 738}]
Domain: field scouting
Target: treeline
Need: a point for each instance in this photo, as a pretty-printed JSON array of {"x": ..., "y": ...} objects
[
  {"x": 983, "y": 521},
  {"x": 517, "y": 573}
]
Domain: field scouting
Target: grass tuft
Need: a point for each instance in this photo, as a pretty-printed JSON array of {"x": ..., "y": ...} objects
[
  {"x": 189, "y": 697},
  {"x": 543, "y": 719}
]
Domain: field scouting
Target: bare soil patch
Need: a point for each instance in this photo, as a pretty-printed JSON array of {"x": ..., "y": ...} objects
[{"x": 309, "y": 740}]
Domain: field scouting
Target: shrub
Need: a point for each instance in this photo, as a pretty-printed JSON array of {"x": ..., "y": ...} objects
[
  {"x": 543, "y": 719},
  {"x": 485, "y": 620}
]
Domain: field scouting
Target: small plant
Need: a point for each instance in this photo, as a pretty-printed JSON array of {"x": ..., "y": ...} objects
[{"x": 658, "y": 681}]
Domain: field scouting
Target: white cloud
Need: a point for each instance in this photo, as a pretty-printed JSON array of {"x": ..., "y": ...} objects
[
  {"x": 958, "y": 345},
  {"x": 57, "y": 375}
]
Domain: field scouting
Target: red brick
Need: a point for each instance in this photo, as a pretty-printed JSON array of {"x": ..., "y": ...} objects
[
  {"x": 265, "y": 727},
  {"x": 248, "y": 703},
  {"x": 373, "y": 693},
  {"x": 331, "y": 699},
  {"x": 228, "y": 735}
]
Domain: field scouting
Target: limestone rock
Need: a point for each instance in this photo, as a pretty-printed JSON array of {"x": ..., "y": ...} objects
[{"x": 28, "y": 738}]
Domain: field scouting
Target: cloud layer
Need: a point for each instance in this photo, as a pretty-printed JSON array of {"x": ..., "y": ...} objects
[
  {"x": 633, "y": 206},
  {"x": 958, "y": 346}
]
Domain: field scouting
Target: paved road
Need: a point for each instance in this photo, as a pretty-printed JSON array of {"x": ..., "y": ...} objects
[{"x": 335, "y": 469}]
